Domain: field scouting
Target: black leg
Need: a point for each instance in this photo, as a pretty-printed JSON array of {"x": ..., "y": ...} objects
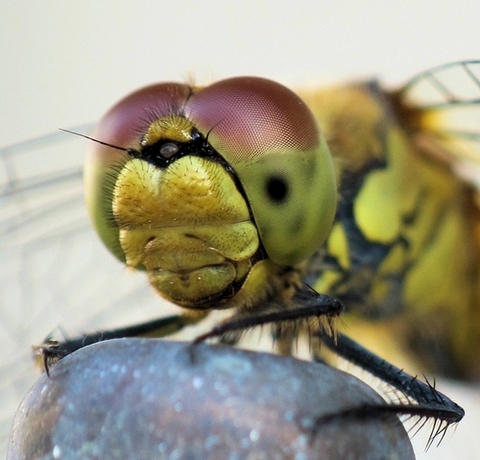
[
  {"x": 318, "y": 311},
  {"x": 424, "y": 400},
  {"x": 51, "y": 351}
]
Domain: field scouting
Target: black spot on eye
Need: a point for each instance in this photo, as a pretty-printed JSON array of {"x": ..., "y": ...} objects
[{"x": 277, "y": 189}]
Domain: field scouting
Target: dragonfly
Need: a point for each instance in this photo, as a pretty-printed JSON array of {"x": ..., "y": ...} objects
[{"x": 400, "y": 191}]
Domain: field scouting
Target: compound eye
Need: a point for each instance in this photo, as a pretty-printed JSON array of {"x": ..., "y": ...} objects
[
  {"x": 249, "y": 117},
  {"x": 124, "y": 125},
  {"x": 272, "y": 141},
  {"x": 128, "y": 120}
]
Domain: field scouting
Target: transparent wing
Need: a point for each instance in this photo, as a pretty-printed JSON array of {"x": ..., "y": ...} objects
[
  {"x": 443, "y": 107},
  {"x": 55, "y": 275}
]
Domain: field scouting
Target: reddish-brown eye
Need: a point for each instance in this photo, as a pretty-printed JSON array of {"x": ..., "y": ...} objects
[
  {"x": 127, "y": 121},
  {"x": 250, "y": 116},
  {"x": 272, "y": 141},
  {"x": 124, "y": 126}
]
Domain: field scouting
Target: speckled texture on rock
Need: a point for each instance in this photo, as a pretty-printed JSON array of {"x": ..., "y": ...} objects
[{"x": 148, "y": 399}]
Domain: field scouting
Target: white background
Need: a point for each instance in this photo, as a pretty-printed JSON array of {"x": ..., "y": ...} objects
[{"x": 64, "y": 63}]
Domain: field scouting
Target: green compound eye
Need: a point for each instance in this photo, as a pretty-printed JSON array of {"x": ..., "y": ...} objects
[{"x": 272, "y": 141}]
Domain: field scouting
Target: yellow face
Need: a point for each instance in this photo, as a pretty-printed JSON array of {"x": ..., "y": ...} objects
[{"x": 211, "y": 192}]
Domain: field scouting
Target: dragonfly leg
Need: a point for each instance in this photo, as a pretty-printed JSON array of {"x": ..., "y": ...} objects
[
  {"x": 316, "y": 311},
  {"x": 51, "y": 351},
  {"x": 423, "y": 399}
]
